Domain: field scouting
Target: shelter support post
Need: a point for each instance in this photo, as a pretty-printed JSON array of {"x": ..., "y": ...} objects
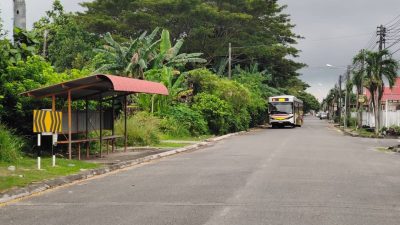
[
  {"x": 87, "y": 127},
  {"x": 125, "y": 123},
  {"x": 101, "y": 126},
  {"x": 69, "y": 127},
  {"x": 113, "y": 125},
  {"x": 53, "y": 103}
]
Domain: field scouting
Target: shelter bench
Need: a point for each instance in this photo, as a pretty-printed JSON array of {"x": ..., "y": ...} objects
[{"x": 78, "y": 142}]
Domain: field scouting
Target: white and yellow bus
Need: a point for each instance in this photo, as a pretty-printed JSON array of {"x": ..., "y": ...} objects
[{"x": 285, "y": 110}]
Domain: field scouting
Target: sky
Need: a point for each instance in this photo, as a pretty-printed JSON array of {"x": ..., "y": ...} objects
[{"x": 334, "y": 31}]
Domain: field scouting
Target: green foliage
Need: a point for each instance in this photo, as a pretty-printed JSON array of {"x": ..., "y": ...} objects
[
  {"x": 136, "y": 56},
  {"x": 184, "y": 121},
  {"x": 216, "y": 111},
  {"x": 173, "y": 128},
  {"x": 391, "y": 131},
  {"x": 173, "y": 80},
  {"x": 68, "y": 44},
  {"x": 310, "y": 101},
  {"x": 10, "y": 145},
  {"x": 231, "y": 91},
  {"x": 142, "y": 129},
  {"x": 245, "y": 96},
  {"x": 255, "y": 82},
  {"x": 24, "y": 76},
  {"x": 379, "y": 66},
  {"x": 259, "y": 26}
]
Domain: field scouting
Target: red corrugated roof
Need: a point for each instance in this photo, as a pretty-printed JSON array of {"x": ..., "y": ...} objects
[
  {"x": 126, "y": 84},
  {"x": 389, "y": 93},
  {"x": 98, "y": 86}
]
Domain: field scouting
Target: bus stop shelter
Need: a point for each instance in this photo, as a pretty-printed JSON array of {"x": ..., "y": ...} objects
[{"x": 99, "y": 88}]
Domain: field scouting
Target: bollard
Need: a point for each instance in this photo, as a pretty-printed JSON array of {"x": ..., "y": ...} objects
[
  {"x": 38, "y": 163},
  {"x": 54, "y": 161}
]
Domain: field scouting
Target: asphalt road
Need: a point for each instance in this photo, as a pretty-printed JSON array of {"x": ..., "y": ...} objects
[{"x": 303, "y": 176}]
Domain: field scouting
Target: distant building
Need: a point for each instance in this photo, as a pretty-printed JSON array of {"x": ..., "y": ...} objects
[{"x": 20, "y": 14}]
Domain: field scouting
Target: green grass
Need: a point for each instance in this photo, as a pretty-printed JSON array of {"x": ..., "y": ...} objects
[
  {"x": 365, "y": 133},
  {"x": 26, "y": 171}
]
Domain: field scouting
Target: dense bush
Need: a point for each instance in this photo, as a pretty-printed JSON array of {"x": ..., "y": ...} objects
[
  {"x": 173, "y": 128},
  {"x": 10, "y": 145},
  {"x": 259, "y": 93},
  {"x": 142, "y": 129},
  {"x": 183, "y": 121},
  {"x": 392, "y": 130},
  {"x": 216, "y": 111}
]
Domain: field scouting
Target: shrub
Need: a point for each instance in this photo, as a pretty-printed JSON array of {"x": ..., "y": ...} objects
[
  {"x": 10, "y": 145},
  {"x": 239, "y": 122},
  {"x": 173, "y": 127},
  {"x": 185, "y": 120},
  {"x": 245, "y": 104},
  {"x": 142, "y": 129},
  {"x": 216, "y": 111}
]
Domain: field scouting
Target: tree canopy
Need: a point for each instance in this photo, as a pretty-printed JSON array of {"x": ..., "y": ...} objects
[{"x": 258, "y": 29}]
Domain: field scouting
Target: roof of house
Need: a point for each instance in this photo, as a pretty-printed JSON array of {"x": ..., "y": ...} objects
[{"x": 392, "y": 93}]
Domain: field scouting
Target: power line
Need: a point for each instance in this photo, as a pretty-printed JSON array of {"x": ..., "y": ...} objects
[
  {"x": 395, "y": 51},
  {"x": 397, "y": 17},
  {"x": 393, "y": 44}
]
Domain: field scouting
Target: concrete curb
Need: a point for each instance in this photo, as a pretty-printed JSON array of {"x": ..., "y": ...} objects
[{"x": 38, "y": 187}]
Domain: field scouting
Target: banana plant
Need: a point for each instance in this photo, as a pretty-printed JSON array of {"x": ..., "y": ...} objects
[
  {"x": 130, "y": 59},
  {"x": 169, "y": 55}
]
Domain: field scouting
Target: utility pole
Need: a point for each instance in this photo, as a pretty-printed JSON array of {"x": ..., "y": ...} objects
[
  {"x": 347, "y": 98},
  {"x": 340, "y": 99},
  {"x": 230, "y": 61},
  {"x": 381, "y": 32},
  {"x": 382, "y": 40},
  {"x": 360, "y": 104},
  {"x": 46, "y": 32}
]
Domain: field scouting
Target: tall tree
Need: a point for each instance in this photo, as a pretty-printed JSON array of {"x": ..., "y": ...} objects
[
  {"x": 379, "y": 66},
  {"x": 258, "y": 29},
  {"x": 63, "y": 41}
]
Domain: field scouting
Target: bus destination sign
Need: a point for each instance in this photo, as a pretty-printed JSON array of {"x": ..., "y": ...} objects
[{"x": 280, "y": 99}]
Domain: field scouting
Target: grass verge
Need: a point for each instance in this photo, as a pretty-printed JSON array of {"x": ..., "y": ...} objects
[{"x": 26, "y": 171}]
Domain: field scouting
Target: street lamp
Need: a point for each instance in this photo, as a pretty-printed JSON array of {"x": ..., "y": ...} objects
[{"x": 338, "y": 67}]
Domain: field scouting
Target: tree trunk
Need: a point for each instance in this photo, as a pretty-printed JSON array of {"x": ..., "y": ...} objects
[
  {"x": 359, "y": 108},
  {"x": 377, "y": 113}
]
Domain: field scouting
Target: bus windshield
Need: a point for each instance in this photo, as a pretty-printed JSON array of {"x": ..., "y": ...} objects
[{"x": 281, "y": 108}]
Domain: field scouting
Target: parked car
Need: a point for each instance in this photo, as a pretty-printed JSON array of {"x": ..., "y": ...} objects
[{"x": 323, "y": 115}]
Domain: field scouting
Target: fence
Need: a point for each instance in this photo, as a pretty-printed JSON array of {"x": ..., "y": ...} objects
[{"x": 388, "y": 119}]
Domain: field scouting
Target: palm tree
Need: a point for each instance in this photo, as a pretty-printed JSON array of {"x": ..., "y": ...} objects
[
  {"x": 379, "y": 66},
  {"x": 358, "y": 76}
]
